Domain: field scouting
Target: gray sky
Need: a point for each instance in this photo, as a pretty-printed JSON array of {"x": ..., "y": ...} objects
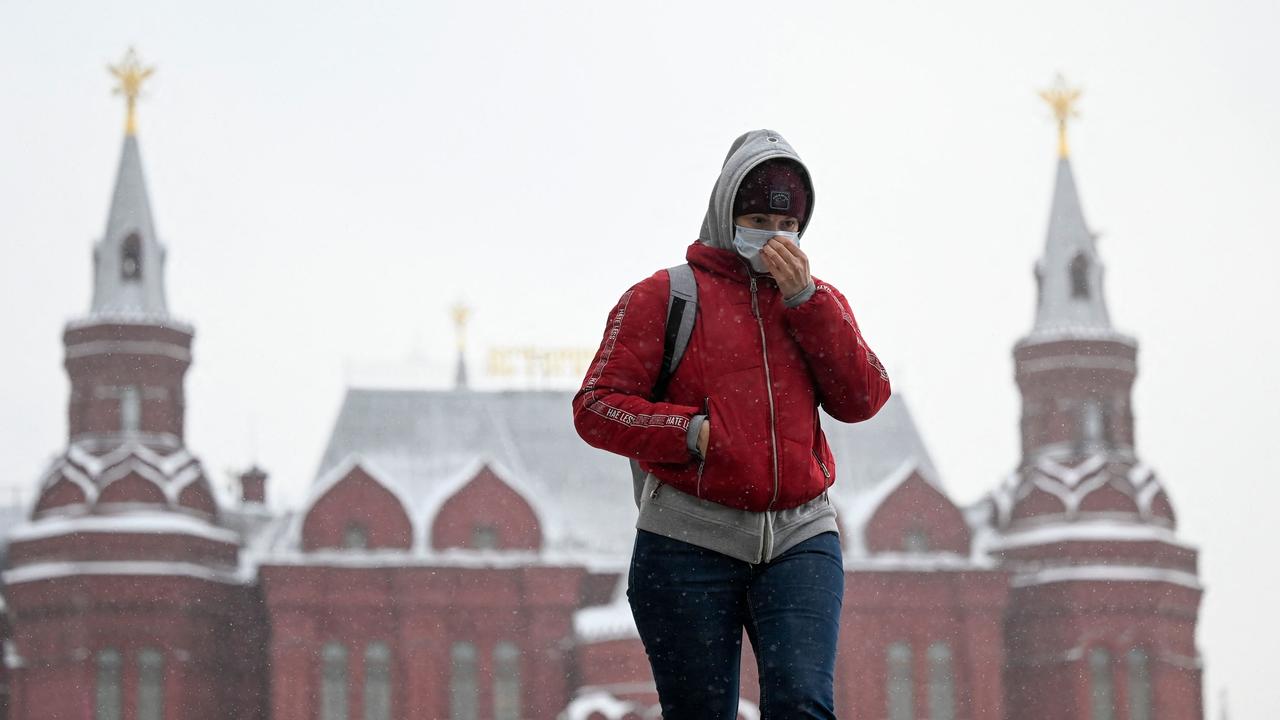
[{"x": 330, "y": 179}]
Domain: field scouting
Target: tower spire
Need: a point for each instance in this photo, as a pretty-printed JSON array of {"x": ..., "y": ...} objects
[
  {"x": 128, "y": 260},
  {"x": 1069, "y": 273},
  {"x": 460, "y": 314}
]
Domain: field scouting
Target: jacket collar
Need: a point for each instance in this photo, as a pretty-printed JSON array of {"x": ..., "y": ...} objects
[{"x": 721, "y": 262}]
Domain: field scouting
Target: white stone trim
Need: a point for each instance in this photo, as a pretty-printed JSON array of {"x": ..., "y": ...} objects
[
  {"x": 1087, "y": 531},
  {"x": 148, "y": 523},
  {"x": 1105, "y": 573},
  {"x": 54, "y": 570}
]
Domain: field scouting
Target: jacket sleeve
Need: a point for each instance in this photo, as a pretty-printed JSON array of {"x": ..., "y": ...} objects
[
  {"x": 612, "y": 410},
  {"x": 852, "y": 383}
]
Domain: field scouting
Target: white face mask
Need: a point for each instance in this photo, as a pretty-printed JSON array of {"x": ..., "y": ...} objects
[{"x": 750, "y": 241}]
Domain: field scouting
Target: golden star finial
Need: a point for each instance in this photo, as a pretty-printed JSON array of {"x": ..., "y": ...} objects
[
  {"x": 460, "y": 314},
  {"x": 131, "y": 74},
  {"x": 1063, "y": 101}
]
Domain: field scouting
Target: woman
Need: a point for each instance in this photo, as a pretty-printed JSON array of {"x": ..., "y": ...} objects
[{"x": 735, "y": 528}]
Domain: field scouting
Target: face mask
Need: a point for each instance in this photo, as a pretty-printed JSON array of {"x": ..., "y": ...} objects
[{"x": 750, "y": 241}]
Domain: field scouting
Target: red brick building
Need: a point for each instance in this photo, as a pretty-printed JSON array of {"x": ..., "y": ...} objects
[{"x": 463, "y": 554}]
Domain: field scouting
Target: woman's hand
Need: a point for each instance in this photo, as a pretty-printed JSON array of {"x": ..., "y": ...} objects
[{"x": 788, "y": 265}]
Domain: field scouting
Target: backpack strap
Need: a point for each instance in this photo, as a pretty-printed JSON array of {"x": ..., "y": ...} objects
[{"x": 682, "y": 309}]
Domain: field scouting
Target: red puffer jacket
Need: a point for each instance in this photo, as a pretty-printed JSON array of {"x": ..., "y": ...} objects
[{"x": 756, "y": 368}]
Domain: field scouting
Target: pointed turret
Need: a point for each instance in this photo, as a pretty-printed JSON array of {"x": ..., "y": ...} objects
[
  {"x": 460, "y": 314},
  {"x": 128, "y": 263},
  {"x": 1069, "y": 274}
]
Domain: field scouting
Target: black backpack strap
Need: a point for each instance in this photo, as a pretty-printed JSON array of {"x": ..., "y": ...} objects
[{"x": 682, "y": 309}]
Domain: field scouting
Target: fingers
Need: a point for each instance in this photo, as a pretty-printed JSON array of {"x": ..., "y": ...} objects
[
  {"x": 787, "y": 248},
  {"x": 788, "y": 265}
]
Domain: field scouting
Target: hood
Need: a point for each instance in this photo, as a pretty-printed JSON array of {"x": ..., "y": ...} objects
[{"x": 749, "y": 150}]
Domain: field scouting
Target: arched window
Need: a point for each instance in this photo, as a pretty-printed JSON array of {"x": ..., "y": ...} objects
[
  {"x": 355, "y": 537},
  {"x": 150, "y": 684},
  {"x": 1080, "y": 276},
  {"x": 942, "y": 694},
  {"x": 131, "y": 258},
  {"x": 377, "y": 682},
  {"x": 1140, "y": 699},
  {"x": 464, "y": 696},
  {"x": 130, "y": 408},
  {"x": 1101, "y": 692},
  {"x": 1092, "y": 422},
  {"x": 107, "y": 693},
  {"x": 333, "y": 682},
  {"x": 900, "y": 688},
  {"x": 506, "y": 681}
]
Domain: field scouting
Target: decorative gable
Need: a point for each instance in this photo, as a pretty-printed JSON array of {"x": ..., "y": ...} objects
[
  {"x": 487, "y": 512},
  {"x": 132, "y": 488},
  {"x": 916, "y": 517},
  {"x": 196, "y": 496},
  {"x": 357, "y": 512},
  {"x": 61, "y": 493}
]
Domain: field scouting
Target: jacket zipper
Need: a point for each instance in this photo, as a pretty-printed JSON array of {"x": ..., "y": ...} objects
[
  {"x": 825, "y": 473},
  {"x": 702, "y": 463},
  {"x": 773, "y": 421}
]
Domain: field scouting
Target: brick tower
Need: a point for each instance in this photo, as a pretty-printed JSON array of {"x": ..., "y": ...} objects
[
  {"x": 123, "y": 585},
  {"x": 1102, "y": 614}
]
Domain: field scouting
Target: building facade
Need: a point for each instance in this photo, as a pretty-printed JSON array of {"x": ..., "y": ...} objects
[{"x": 462, "y": 554}]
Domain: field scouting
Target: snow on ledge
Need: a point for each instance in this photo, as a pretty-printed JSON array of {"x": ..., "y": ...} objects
[
  {"x": 916, "y": 562},
  {"x": 1087, "y": 531},
  {"x": 602, "y": 623},
  {"x": 597, "y": 702},
  {"x": 53, "y": 570},
  {"x": 1106, "y": 573},
  {"x": 139, "y": 523}
]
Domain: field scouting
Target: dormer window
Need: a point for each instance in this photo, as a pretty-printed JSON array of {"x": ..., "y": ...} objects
[
  {"x": 1080, "y": 276},
  {"x": 915, "y": 540},
  {"x": 355, "y": 537},
  {"x": 484, "y": 537},
  {"x": 131, "y": 258}
]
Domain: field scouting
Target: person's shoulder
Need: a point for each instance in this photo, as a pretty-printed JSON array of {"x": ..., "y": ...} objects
[
  {"x": 659, "y": 283},
  {"x": 651, "y": 291}
]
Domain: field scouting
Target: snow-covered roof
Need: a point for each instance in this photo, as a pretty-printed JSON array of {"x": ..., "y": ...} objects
[
  {"x": 423, "y": 443},
  {"x": 171, "y": 472},
  {"x": 611, "y": 621},
  {"x": 598, "y": 703},
  {"x": 1072, "y": 482}
]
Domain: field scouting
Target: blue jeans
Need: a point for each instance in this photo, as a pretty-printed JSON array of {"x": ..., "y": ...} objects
[{"x": 691, "y": 605}]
